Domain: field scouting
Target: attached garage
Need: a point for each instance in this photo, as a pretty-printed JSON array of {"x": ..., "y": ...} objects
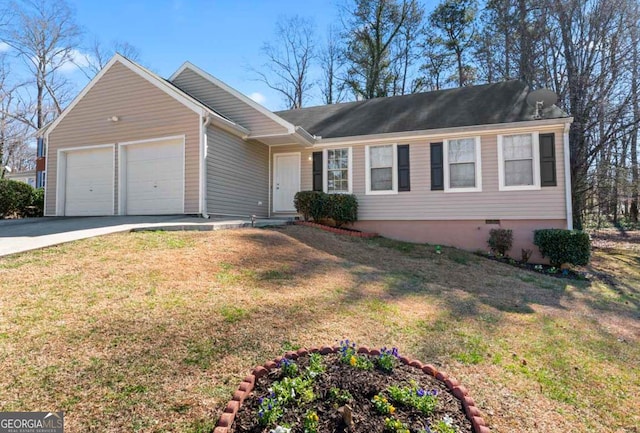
[
  {"x": 134, "y": 145},
  {"x": 151, "y": 177},
  {"x": 86, "y": 181}
]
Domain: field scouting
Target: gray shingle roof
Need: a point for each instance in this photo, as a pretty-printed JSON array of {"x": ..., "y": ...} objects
[{"x": 476, "y": 105}]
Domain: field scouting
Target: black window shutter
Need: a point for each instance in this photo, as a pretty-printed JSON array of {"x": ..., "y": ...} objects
[
  {"x": 404, "y": 181},
  {"x": 437, "y": 173},
  {"x": 317, "y": 171},
  {"x": 547, "y": 160}
]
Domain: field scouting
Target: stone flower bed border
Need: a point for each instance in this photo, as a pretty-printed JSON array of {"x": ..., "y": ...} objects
[
  {"x": 337, "y": 230},
  {"x": 246, "y": 386}
]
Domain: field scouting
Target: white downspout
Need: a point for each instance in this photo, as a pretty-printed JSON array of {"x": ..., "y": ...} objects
[
  {"x": 567, "y": 176},
  {"x": 204, "y": 148},
  {"x": 269, "y": 195}
]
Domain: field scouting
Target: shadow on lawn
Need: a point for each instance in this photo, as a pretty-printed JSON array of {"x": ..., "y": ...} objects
[
  {"x": 461, "y": 280},
  {"x": 620, "y": 272}
]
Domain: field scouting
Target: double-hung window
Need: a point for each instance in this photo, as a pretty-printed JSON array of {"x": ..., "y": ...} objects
[
  {"x": 518, "y": 159},
  {"x": 338, "y": 170},
  {"x": 462, "y": 167},
  {"x": 381, "y": 169}
]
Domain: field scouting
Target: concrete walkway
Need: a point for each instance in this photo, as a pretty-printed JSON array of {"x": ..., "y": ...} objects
[{"x": 17, "y": 236}]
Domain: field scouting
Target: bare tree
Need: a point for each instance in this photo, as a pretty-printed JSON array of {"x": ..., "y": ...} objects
[
  {"x": 588, "y": 55},
  {"x": 331, "y": 63},
  {"x": 13, "y": 133},
  {"x": 634, "y": 28},
  {"x": 371, "y": 28},
  {"x": 45, "y": 37},
  {"x": 496, "y": 41},
  {"x": 454, "y": 19},
  {"x": 407, "y": 53},
  {"x": 438, "y": 63},
  {"x": 98, "y": 55},
  {"x": 289, "y": 59}
]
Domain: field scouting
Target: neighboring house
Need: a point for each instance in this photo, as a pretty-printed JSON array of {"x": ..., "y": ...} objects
[
  {"x": 28, "y": 177},
  {"x": 441, "y": 167}
]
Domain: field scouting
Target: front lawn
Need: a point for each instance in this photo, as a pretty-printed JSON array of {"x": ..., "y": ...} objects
[{"x": 152, "y": 331}]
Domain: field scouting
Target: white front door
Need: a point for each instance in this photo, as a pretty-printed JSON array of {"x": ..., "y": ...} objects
[{"x": 286, "y": 181}]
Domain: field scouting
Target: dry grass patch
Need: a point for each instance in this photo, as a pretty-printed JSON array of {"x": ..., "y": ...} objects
[{"x": 151, "y": 331}]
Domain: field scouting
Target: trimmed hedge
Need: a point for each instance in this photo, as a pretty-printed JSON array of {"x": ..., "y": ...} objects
[
  {"x": 500, "y": 240},
  {"x": 17, "y": 198},
  {"x": 563, "y": 246},
  {"x": 316, "y": 205},
  {"x": 342, "y": 208},
  {"x": 311, "y": 204}
]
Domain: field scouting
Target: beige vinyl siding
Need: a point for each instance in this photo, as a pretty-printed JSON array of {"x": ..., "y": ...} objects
[
  {"x": 423, "y": 204},
  {"x": 227, "y": 104},
  {"x": 237, "y": 175},
  {"x": 145, "y": 112}
]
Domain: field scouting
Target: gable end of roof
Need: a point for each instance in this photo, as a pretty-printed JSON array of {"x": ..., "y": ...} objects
[
  {"x": 235, "y": 93},
  {"x": 152, "y": 78}
]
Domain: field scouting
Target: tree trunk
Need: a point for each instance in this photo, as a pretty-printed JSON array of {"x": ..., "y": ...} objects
[
  {"x": 635, "y": 76},
  {"x": 461, "y": 79},
  {"x": 525, "y": 51}
]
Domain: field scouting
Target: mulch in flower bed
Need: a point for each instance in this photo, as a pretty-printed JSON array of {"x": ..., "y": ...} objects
[
  {"x": 362, "y": 385},
  {"x": 552, "y": 271},
  {"x": 340, "y": 231}
]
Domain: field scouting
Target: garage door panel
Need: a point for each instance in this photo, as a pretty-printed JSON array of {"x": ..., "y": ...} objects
[
  {"x": 146, "y": 206},
  {"x": 80, "y": 209},
  {"x": 154, "y": 182},
  {"x": 89, "y": 179},
  {"x": 164, "y": 169},
  {"x": 155, "y": 151},
  {"x": 159, "y": 188}
]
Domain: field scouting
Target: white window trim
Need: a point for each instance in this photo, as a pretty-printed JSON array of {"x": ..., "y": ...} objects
[
  {"x": 535, "y": 140},
  {"x": 325, "y": 168},
  {"x": 478, "y": 167},
  {"x": 394, "y": 170}
]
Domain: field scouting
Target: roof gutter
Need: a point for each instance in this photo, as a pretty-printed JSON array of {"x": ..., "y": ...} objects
[
  {"x": 301, "y": 136},
  {"x": 440, "y": 132},
  {"x": 227, "y": 125},
  {"x": 298, "y": 134}
]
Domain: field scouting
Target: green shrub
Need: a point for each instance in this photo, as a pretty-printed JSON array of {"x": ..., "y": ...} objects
[
  {"x": 311, "y": 204},
  {"x": 318, "y": 209},
  {"x": 342, "y": 208},
  {"x": 37, "y": 203},
  {"x": 15, "y": 198},
  {"x": 500, "y": 241},
  {"x": 563, "y": 246}
]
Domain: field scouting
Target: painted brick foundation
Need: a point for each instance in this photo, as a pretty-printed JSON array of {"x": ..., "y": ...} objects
[{"x": 470, "y": 235}]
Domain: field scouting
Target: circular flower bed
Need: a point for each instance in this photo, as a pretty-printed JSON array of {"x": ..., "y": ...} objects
[{"x": 349, "y": 388}]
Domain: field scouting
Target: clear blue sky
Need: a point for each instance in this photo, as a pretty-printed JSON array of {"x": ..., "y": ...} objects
[{"x": 222, "y": 37}]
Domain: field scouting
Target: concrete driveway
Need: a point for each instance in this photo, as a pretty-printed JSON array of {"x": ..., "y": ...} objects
[{"x": 17, "y": 236}]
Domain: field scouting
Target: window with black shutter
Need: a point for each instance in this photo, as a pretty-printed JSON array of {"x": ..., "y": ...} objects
[
  {"x": 317, "y": 171},
  {"x": 437, "y": 173},
  {"x": 547, "y": 160},
  {"x": 404, "y": 178}
]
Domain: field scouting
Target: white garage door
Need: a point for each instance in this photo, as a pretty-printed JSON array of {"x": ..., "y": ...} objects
[
  {"x": 154, "y": 177},
  {"x": 89, "y": 182}
]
